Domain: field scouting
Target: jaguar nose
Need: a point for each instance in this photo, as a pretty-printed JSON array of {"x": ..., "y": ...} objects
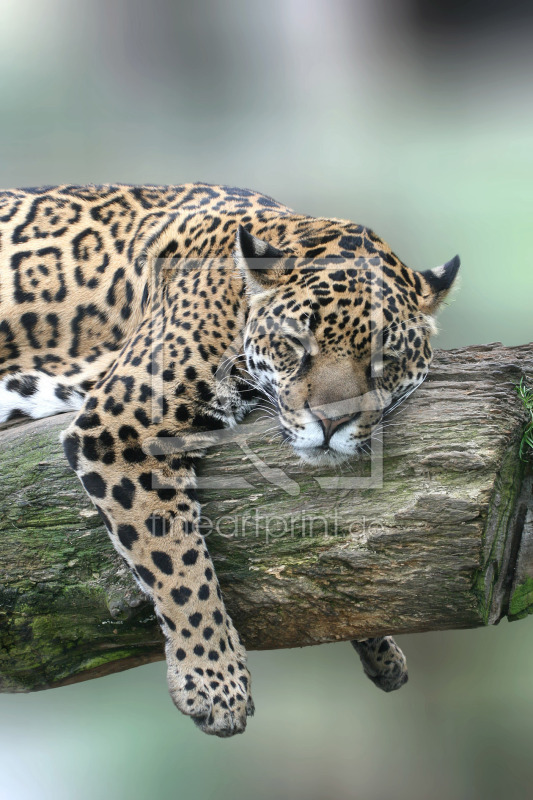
[{"x": 329, "y": 425}]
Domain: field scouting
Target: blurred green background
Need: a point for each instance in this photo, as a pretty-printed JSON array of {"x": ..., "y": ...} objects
[{"x": 412, "y": 117}]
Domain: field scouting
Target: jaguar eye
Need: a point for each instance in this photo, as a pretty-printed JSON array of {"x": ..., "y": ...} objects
[
  {"x": 382, "y": 360},
  {"x": 391, "y": 358},
  {"x": 294, "y": 340},
  {"x": 300, "y": 339}
]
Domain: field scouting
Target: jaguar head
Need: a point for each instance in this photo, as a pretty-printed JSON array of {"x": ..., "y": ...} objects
[{"x": 336, "y": 342}]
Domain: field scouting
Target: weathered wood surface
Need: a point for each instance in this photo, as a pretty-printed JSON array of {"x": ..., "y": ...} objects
[{"x": 303, "y": 556}]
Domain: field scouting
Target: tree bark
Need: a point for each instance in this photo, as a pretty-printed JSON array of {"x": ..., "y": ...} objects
[{"x": 304, "y": 555}]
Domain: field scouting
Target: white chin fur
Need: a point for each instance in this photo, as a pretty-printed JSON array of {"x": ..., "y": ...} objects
[
  {"x": 343, "y": 445},
  {"x": 319, "y": 457}
]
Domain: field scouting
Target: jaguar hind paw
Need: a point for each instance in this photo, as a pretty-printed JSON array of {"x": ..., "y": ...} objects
[{"x": 383, "y": 662}]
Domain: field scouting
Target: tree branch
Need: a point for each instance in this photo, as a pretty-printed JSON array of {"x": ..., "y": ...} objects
[{"x": 303, "y": 555}]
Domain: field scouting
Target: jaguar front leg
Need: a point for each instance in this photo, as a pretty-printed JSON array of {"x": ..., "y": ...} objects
[{"x": 148, "y": 505}]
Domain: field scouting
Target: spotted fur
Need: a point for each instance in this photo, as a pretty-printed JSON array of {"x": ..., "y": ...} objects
[{"x": 163, "y": 314}]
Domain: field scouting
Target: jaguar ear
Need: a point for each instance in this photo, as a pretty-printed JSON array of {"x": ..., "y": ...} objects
[
  {"x": 259, "y": 261},
  {"x": 437, "y": 283}
]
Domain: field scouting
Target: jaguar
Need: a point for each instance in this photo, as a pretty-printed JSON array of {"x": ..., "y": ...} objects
[{"x": 163, "y": 314}]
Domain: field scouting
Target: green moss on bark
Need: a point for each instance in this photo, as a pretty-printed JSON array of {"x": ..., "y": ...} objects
[{"x": 521, "y": 603}]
